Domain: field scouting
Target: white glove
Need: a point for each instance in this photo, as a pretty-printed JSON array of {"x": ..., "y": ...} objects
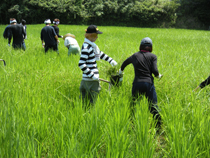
[
  {"x": 159, "y": 76},
  {"x": 61, "y": 36},
  {"x": 95, "y": 78},
  {"x": 113, "y": 63},
  {"x": 8, "y": 44}
]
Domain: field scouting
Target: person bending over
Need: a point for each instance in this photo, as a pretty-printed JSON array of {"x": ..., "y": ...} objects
[{"x": 71, "y": 44}]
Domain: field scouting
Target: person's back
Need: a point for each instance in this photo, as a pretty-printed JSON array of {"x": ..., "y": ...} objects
[
  {"x": 17, "y": 32},
  {"x": 144, "y": 66},
  {"x": 48, "y": 35},
  {"x": 70, "y": 40}
]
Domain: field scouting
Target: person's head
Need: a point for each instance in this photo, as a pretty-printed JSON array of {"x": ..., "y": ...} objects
[
  {"x": 92, "y": 33},
  {"x": 13, "y": 21},
  {"x": 47, "y": 21},
  {"x": 56, "y": 21},
  {"x": 23, "y": 22},
  {"x": 146, "y": 44}
]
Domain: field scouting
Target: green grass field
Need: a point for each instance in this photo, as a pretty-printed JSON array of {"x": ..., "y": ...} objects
[{"x": 41, "y": 114}]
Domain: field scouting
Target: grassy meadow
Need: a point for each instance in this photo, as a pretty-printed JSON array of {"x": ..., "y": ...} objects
[{"x": 41, "y": 114}]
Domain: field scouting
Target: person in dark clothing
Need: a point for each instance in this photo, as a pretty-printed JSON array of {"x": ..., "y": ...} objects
[
  {"x": 203, "y": 84},
  {"x": 56, "y": 22},
  {"x": 5, "y": 34},
  {"x": 145, "y": 64},
  {"x": 18, "y": 34},
  {"x": 48, "y": 37},
  {"x": 24, "y": 26}
]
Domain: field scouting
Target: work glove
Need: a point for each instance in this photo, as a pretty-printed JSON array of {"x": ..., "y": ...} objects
[
  {"x": 113, "y": 63},
  {"x": 95, "y": 78},
  {"x": 159, "y": 76},
  {"x": 120, "y": 73}
]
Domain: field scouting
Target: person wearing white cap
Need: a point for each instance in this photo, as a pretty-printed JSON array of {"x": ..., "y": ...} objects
[
  {"x": 49, "y": 37},
  {"x": 17, "y": 32},
  {"x": 145, "y": 64},
  {"x": 56, "y": 22},
  {"x": 90, "y": 53},
  {"x": 71, "y": 44}
]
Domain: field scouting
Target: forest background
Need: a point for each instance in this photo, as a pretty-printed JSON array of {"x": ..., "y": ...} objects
[{"x": 189, "y": 14}]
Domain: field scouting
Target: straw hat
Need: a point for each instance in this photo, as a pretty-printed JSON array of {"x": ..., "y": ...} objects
[{"x": 68, "y": 35}]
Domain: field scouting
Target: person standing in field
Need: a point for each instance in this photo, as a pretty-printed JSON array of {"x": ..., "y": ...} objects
[
  {"x": 145, "y": 64},
  {"x": 24, "y": 26},
  {"x": 49, "y": 37},
  {"x": 18, "y": 34},
  {"x": 90, "y": 53},
  {"x": 56, "y": 22},
  {"x": 203, "y": 84},
  {"x": 71, "y": 44}
]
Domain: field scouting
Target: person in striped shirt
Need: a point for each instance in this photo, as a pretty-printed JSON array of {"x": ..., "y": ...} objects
[{"x": 90, "y": 53}]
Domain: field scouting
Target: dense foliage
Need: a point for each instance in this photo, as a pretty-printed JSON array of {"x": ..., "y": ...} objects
[{"x": 103, "y": 12}]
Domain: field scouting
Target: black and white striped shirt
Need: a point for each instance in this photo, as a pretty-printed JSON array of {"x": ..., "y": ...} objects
[{"x": 87, "y": 62}]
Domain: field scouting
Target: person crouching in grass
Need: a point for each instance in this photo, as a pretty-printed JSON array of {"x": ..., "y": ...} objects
[
  {"x": 90, "y": 53},
  {"x": 71, "y": 44}
]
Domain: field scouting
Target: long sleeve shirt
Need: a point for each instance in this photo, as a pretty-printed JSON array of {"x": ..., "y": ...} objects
[
  {"x": 87, "y": 62},
  {"x": 57, "y": 31},
  {"x": 17, "y": 33},
  {"x": 205, "y": 83},
  {"x": 145, "y": 64},
  {"x": 48, "y": 35}
]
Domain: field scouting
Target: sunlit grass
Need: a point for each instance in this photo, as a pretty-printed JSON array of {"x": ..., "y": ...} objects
[{"x": 41, "y": 114}]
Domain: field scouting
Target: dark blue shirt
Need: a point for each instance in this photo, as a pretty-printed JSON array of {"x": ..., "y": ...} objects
[{"x": 48, "y": 35}]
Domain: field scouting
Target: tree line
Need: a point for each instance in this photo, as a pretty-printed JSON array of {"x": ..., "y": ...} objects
[{"x": 143, "y": 13}]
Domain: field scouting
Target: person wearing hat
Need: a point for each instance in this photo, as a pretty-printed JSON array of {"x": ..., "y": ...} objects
[
  {"x": 203, "y": 84},
  {"x": 56, "y": 22},
  {"x": 145, "y": 64},
  {"x": 71, "y": 44},
  {"x": 90, "y": 54},
  {"x": 49, "y": 37},
  {"x": 18, "y": 34}
]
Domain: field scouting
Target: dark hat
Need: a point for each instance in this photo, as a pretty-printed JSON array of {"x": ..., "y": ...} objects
[
  {"x": 93, "y": 29},
  {"x": 146, "y": 41}
]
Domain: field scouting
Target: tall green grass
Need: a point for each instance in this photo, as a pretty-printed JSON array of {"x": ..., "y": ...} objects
[{"x": 41, "y": 114}]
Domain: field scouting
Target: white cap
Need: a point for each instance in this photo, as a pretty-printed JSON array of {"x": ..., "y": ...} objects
[
  {"x": 47, "y": 21},
  {"x": 13, "y": 21}
]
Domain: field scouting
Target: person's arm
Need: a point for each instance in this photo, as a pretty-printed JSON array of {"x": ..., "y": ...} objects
[
  {"x": 205, "y": 83},
  {"x": 9, "y": 33},
  {"x": 155, "y": 69},
  {"x": 56, "y": 37},
  {"x": 42, "y": 39},
  {"x": 24, "y": 33},
  {"x": 105, "y": 57},
  {"x": 125, "y": 63},
  {"x": 57, "y": 32}
]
